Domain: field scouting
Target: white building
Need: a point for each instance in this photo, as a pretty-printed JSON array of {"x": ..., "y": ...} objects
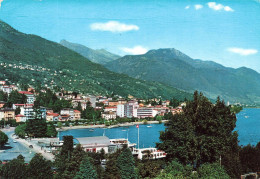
[
  {"x": 26, "y": 110},
  {"x": 131, "y": 109},
  {"x": 108, "y": 115},
  {"x": 148, "y": 153},
  {"x": 69, "y": 112},
  {"x": 94, "y": 144},
  {"x": 144, "y": 112},
  {"x": 120, "y": 111}
]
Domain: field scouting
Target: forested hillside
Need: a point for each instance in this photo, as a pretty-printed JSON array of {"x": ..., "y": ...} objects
[
  {"x": 172, "y": 67},
  {"x": 31, "y": 59}
]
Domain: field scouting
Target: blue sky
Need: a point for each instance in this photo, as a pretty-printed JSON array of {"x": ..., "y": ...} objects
[{"x": 227, "y": 31}]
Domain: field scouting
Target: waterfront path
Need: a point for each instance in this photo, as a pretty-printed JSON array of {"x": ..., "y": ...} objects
[{"x": 13, "y": 149}]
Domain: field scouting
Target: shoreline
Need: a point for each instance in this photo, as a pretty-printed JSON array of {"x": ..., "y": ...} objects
[
  {"x": 112, "y": 126},
  {"x": 27, "y": 143}
]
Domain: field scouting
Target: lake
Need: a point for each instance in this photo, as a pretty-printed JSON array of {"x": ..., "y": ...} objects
[{"x": 248, "y": 127}]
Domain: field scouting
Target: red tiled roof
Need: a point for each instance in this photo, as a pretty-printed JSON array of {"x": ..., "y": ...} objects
[
  {"x": 77, "y": 111},
  {"x": 19, "y": 104},
  {"x": 25, "y": 92},
  {"x": 20, "y": 115},
  {"x": 53, "y": 114}
]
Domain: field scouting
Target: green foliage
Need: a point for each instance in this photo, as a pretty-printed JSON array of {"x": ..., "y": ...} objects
[
  {"x": 72, "y": 165},
  {"x": 60, "y": 67},
  {"x": 3, "y": 138},
  {"x": 3, "y": 96},
  {"x": 86, "y": 170},
  {"x": 36, "y": 128},
  {"x": 59, "y": 124},
  {"x": 112, "y": 171},
  {"x": 20, "y": 130},
  {"x": 236, "y": 108},
  {"x": 40, "y": 168},
  {"x": 14, "y": 169},
  {"x": 150, "y": 168},
  {"x": 176, "y": 170},
  {"x": 67, "y": 146},
  {"x": 126, "y": 164},
  {"x": 90, "y": 113},
  {"x": 212, "y": 171},
  {"x": 51, "y": 130},
  {"x": 201, "y": 134},
  {"x": 17, "y": 111},
  {"x": 50, "y": 100},
  {"x": 250, "y": 158},
  {"x": 145, "y": 122},
  {"x": 16, "y": 98}
]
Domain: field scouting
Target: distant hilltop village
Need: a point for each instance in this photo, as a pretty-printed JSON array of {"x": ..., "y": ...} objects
[{"x": 29, "y": 103}]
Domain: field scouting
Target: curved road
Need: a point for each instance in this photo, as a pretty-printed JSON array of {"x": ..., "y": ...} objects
[{"x": 12, "y": 150}]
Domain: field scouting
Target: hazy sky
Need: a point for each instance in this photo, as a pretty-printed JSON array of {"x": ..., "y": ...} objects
[{"x": 227, "y": 31}]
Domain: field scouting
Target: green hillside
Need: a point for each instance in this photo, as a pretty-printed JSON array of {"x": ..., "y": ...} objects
[
  {"x": 174, "y": 68},
  {"x": 33, "y": 60},
  {"x": 100, "y": 56}
]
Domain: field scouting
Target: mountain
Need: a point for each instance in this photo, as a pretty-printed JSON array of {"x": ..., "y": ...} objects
[
  {"x": 172, "y": 67},
  {"x": 30, "y": 59},
  {"x": 100, "y": 56}
]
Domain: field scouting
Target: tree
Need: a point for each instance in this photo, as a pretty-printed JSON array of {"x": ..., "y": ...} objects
[
  {"x": 14, "y": 169},
  {"x": 212, "y": 171},
  {"x": 86, "y": 170},
  {"x": 126, "y": 164},
  {"x": 149, "y": 168},
  {"x": 51, "y": 130},
  {"x": 67, "y": 147},
  {"x": 16, "y": 98},
  {"x": 3, "y": 96},
  {"x": 175, "y": 169},
  {"x": 20, "y": 130},
  {"x": 40, "y": 168},
  {"x": 36, "y": 128},
  {"x": 3, "y": 138},
  {"x": 112, "y": 171},
  {"x": 17, "y": 111},
  {"x": 201, "y": 133},
  {"x": 72, "y": 166}
]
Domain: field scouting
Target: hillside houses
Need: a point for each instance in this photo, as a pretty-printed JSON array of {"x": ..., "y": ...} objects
[{"x": 104, "y": 107}]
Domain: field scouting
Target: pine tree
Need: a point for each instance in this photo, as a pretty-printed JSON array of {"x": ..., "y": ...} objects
[
  {"x": 126, "y": 164},
  {"x": 86, "y": 170},
  {"x": 40, "y": 168}
]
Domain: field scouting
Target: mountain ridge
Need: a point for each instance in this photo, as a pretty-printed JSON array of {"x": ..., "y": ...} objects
[
  {"x": 31, "y": 59},
  {"x": 172, "y": 67},
  {"x": 100, "y": 56}
]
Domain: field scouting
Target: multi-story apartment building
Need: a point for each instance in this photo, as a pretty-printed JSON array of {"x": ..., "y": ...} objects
[{"x": 144, "y": 112}]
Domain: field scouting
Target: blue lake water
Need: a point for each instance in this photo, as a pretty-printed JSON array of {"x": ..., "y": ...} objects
[{"x": 248, "y": 127}]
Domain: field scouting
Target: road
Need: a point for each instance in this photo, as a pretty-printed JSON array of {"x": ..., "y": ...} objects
[{"x": 14, "y": 149}]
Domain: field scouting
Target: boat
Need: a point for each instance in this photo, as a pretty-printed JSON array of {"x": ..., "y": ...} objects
[
  {"x": 246, "y": 116},
  {"x": 14, "y": 141},
  {"x": 123, "y": 130},
  {"x": 150, "y": 126},
  {"x": 91, "y": 130}
]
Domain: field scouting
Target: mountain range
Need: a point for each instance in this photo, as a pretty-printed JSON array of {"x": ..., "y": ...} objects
[
  {"x": 174, "y": 68},
  {"x": 30, "y": 59},
  {"x": 100, "y": 56}
]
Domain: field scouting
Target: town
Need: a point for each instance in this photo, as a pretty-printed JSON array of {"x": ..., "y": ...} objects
[
  {"x": 107, "y": 108},
  {"x": 78, "y": 110}
]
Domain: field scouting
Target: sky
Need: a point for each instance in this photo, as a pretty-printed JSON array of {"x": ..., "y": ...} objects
[{"x": 226, "y": 31}]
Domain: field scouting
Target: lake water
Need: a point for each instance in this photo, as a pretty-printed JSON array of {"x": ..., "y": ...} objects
[{"x": 248, "y": 127}]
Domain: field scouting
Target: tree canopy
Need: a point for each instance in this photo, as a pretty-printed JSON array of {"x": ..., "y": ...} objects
[{"x": 202, "y": 133}]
